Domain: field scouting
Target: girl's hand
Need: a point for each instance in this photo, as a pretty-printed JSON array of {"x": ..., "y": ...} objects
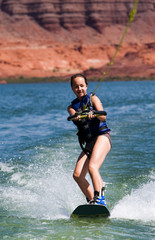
[
  {"x": 78, "y": 118},
  {"x": 91, "y": 115}
]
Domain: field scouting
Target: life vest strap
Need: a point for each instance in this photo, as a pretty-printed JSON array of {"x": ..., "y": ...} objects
[{"x": 82, "y": 142}]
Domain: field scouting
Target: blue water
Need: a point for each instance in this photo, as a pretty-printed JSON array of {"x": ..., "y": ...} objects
[{"x": 38, "y": 152}]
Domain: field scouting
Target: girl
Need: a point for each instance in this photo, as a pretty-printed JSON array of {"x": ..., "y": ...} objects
[{"x": 94, "y": 132}]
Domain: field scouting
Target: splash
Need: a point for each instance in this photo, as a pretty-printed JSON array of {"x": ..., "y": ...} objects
[
  {"x": 139, "y": 205},
  {"x": 44, "y": 189},
  {"x": 5, "y": 168}
]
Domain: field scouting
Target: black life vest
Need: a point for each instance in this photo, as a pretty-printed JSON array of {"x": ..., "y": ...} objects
[{"x": 88, "y": 128}]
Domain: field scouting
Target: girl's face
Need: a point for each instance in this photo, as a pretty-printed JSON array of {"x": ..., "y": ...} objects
[{"x": 79, "y": 87}]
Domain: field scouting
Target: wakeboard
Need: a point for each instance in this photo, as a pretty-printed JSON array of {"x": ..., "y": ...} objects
[{"x": 91, "y": 210}]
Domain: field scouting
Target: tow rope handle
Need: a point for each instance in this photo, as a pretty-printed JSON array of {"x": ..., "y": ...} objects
[{"x": 85, "y": 115}]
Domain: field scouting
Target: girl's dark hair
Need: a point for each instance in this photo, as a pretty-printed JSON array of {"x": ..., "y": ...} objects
[{"x": 78, "y": 75}]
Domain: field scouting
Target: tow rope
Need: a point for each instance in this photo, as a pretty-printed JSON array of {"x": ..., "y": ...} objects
[{"x": 131, "y": 18}]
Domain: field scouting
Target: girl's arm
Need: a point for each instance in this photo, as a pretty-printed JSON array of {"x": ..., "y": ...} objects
[
  {"x": 98, "y": 107},
  {"x": 72, "y": 112}
]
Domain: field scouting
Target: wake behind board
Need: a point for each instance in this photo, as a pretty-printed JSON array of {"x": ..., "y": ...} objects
[{"x": 91, "y": 210}]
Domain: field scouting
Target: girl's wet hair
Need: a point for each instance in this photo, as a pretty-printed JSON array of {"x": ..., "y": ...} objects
[{"x": 78, "y": 75}]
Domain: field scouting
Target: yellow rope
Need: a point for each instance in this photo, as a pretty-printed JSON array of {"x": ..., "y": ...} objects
[{"x": 131, "y": 17}]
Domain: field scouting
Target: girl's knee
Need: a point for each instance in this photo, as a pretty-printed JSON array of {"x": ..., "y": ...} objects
[
  {"x": 76, "y": 176},
  {"x": 92, "y": 167}
]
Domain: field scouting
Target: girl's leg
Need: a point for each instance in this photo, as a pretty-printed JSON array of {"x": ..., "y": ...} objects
[
  {"x": 100, "y": 150},
  {"x": 79, "y": 175}
]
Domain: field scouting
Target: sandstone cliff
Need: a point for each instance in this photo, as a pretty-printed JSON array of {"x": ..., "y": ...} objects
[{"x": 45, "y": 38}]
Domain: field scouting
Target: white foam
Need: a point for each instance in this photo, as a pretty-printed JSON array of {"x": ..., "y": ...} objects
[
  {"x": 18, "y": 178},
  {"x": 139, "y": 205},
  {"x": 44, "y": 189},
  {"x": 5, "y": 167}
]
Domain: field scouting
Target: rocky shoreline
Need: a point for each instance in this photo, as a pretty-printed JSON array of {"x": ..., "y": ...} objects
[{"x": 54, "y": 39}]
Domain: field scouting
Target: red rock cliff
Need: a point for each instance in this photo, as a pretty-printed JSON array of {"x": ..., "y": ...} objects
[{"x": 45, "y": 38}]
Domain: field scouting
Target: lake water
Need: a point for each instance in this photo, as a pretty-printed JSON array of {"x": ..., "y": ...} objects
[{"x": 38, "y": 152}]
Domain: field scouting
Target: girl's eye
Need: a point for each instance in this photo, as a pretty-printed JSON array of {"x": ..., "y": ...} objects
[{"x": 77, "y": 86}]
